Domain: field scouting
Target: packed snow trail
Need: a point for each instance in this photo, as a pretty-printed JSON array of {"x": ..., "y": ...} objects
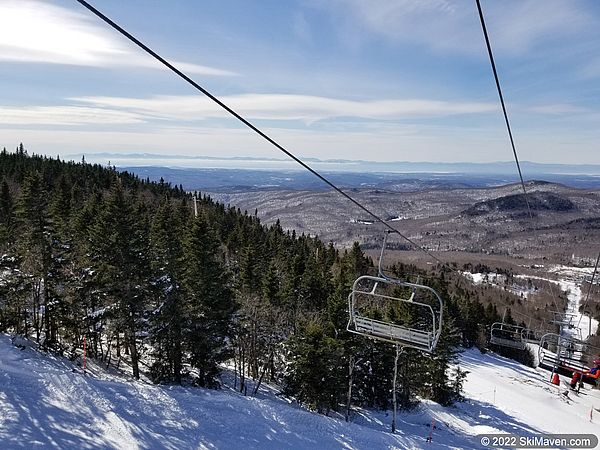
[
  {"x": 44, "y": 404},
  {"x": 570, "y": 281}
]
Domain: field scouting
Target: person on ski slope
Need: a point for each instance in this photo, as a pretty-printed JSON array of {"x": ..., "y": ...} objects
[
  {"x": 576, "y": 381},
  {"x": 594, "y": 372}
]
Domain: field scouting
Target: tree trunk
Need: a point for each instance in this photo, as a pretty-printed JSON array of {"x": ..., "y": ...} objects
[
  {"x": 36, "y": 311},
  {"x": 398, "y": 350},
  {"x": 265, "y": 367},
  {"x": 350, "y": 381},
  {"x": 133, "y": 347},
  {"x": 177, "y": 361},
  {"x": 134, "y": 356},
  {"x": 242, "y": 370},
  {"x": 46, "y": 317},
  {"x": 108, "y": 354}
]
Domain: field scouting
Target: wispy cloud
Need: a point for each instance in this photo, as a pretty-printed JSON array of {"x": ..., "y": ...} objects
[
  {"x": 336, "y": 115},
  {"x": 560, "y": 109},
  {"x": 517, "y": 26},
  {"x": 287, "y": 107},
  {"x": 425, "y": 143},
  {"x": 40, "y": 32},
  {"x": 65, "y": 115}
]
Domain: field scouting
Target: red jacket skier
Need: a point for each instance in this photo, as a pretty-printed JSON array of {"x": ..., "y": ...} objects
[
  {"x": 594, "y": 372},
  {"x": 576, "y": 377}
]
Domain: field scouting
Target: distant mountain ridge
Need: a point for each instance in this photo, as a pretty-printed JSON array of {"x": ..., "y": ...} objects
[
  {"x": 269, "y": 178},
  {"x": 247, "y": 162}
]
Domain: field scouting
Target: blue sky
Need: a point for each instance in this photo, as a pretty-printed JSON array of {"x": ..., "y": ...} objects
[{"x": 382, "y": 80}]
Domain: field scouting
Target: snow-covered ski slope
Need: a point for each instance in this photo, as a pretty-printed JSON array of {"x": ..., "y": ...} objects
[{"x": 44, "y": 404}]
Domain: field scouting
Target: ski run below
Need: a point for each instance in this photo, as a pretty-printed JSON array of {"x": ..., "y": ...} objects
[{"x": 47, "y": 402}]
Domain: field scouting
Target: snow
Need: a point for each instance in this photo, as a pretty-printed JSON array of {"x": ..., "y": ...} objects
[
  {"x": 499, "y": 281},
  {"x": 570, "y": 279},
  {"x": 527, "y": 398},
  {"x": 44, "y": 404}
]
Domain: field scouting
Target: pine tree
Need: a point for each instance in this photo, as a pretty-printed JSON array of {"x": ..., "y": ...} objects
[
  {"x": 120, "y": 258},
  {"x": 438, "y": 386},
  {"x": 168, "y": 317},
  {"x": 271, "y": 285},
  {"x": 6, "y": 215},
  {"x": 209, "y": 303},
  {"x": 34, "y": 249},
  {"x": 316, "y": 372}
]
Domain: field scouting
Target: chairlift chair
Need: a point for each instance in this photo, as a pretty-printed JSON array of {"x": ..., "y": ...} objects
[
  {"x": 564, "y": 319},
  {"x": 371, "y": 295},
  {"x": 506, "y": 335},
  {"x": 566, "y": 353},
  {"x": 369, "y": 291},
  {"x": 531, "y": 336}
]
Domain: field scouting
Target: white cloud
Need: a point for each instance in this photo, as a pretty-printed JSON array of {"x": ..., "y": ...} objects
[
  {"x": 65, "y": 115},
  {"x": 560, "y": 109},
  {"x": 287, "y": 107},
  {"x": 515, "y": 26},
  {"x": 421, "y": 144},
  {"x": 39, "y": 32}
]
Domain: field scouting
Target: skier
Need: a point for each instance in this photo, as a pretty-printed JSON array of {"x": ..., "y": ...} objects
[
  {"x": 594, "y": 372},
  {"x": 576, "y": 381}
]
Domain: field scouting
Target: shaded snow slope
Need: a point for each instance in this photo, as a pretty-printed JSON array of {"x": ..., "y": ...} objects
[{"x": 44, "y": 404}]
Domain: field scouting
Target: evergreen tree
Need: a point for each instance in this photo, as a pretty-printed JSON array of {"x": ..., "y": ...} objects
[
  {"x": 120, "y": 258},
  {"x": 34, "y": 249},
  {"x": 6, "y": 215},
  {"x": 209, "y": 300},
  {"x": 316, "y": 372},
  {"x": 169, "y": 315}
]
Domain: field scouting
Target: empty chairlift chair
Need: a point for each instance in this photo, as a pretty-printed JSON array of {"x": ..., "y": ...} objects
[
  {"x": 531, "y": 336},
  {"x": 548, "y": 351},
  {"x": 377, "y": 313},
  {"x": 399, "y": 312},
  {"x": 506, "y": 335}
]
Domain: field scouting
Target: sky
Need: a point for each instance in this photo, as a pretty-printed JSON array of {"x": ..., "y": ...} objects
[{"x": 378, "y": 80}]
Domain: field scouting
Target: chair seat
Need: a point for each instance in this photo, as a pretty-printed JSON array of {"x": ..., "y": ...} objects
[
  {"x": 507, "y": 342},
  {"x": 393, "y": 332}
]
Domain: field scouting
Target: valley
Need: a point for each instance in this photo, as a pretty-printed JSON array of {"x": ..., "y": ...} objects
[{"x": 492, "y": 221}]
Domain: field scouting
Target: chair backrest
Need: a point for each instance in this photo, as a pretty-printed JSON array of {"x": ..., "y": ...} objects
[{"x": 506, "y": 335}]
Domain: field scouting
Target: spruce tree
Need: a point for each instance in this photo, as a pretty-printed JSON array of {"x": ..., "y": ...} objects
[
  {"x": 316, "y": 372},
  {"x": 168, "y": 316},
  {"x": 34, "y": 250},
  {"x": 120, "y": 257},
  {"x": 209, "y": 302},
  {"x": 6, "y": 215}
]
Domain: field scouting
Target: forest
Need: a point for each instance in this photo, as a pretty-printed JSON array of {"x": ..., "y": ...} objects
[{"x": 178, "y": 288}]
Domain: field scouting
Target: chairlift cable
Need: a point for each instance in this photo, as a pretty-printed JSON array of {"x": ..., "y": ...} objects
[
  {"x": 280, "y": 147},
  {"x": 510, "y": 135},
  {"x": 246, "y": 122},
  {"x": 512, "y": 142}
]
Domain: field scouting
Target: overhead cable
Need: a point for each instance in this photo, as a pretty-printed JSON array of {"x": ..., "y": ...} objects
[
  {"x": 508, "y": 128},
  {"x": 512, "y": 142},
  {"x": 253, "y": 127}
]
